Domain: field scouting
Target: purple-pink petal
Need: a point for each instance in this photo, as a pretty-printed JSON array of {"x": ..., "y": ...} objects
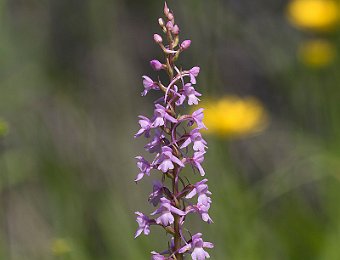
[
  {"x": 177, "y": 211},
  {"x": 166, "y": 218},
  {"x": 166, "y": 165},
  {"x": 177, "y": 161},
  {"x": 208, "y": 245},
  {"x": 199, "y": 254},
  {"x": 186, "y": 143},
  {"x": 185, "y": 248},
  {"x": 157, "y": 256}
]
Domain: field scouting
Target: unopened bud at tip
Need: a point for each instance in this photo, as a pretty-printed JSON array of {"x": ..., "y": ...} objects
[
  {"x": 157, "y": 38},
  {"x": 166, "y": 9},
  {"x": 185, "y": 44}
]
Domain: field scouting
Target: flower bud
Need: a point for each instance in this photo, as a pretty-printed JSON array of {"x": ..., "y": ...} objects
[
  {"x": 166, "y": 9},
  {"x": 161, "y": 22},
  {"x": 175, "y": 29},
  {"x": 156, "y": 65},
  {"x": 170, "y": 16},
  {"x": 169, "y": 25},
  {"x": 157, "y": 38},
  {"x": 185, "y": 44}
]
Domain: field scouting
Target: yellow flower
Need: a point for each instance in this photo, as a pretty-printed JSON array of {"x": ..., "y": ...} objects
[
  {"x": 317, "y": 53},
  {"x": 234, "y": 116},
  {"x": 313, "y": 14},
  {"x": 3, "y": 127},
  {"x": 60, "y": 246}
]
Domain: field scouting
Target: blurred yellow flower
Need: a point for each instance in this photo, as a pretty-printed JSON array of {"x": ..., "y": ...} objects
[
  {"x": 234, "y": 116},
  {"x": 60, "y": 246},
  {"x": 317, "y": 53},
  {"x": 313, "y": 14},
  {"x": 3, "y": 127}
]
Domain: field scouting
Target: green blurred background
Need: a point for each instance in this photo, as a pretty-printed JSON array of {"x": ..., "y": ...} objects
[{"x": 69, "y": 99}]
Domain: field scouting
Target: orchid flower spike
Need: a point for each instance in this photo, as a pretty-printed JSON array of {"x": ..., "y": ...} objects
[{"x": 172, "y": 149}]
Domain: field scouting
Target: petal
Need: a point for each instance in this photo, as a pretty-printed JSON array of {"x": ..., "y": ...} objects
[
  {"x": 140, "y": 132},
  {"x": 196, "y": 236},
  {"x": 147, "y": 82},
  {"x": 144, "y": 124},
  {"x": 165, "y": 166},
  {"x": 138, "y": 232},
  {"x": 200, "y": 168},
  {"x": 191, "y": 194},
  {"x": 192, "y": 100},
  {"x": 177, "y": 211},
  {"x": 146, "y": 230},
  {"x": 180, "y": 100},
  {"x": 157, "y": 211},
  {"x": 206, "y": 217},
  {"x": 186, "y": 143},
  {"x": 185, "y": 248},
  {"x": 192, "y": 79},
  {"x": 158, "y": 122},
  {"x": 199, "y": 254},
  {"x": 176, "y": 160},
  {"x": 208, "y": 245},
  {"x": 139, "y": 176},
  {"x": 166, "y": 219},
  {"x": 170, "y": 118},
  {"x": 199, "y": 146}
]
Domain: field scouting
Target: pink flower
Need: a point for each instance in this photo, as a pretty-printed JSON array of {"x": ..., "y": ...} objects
[
  {"x": 199, "y": 143},
  {"x": 197, "y": 117},
  {"x": 200, "y": 188},
  {"x": 189, "y": 92},
  {"x": 157, "y": 193},
  {"x": 161, "y": 115},
  {"x": 143, "y": 224},
  {"x": 196, "y": 247},
  {"x": 165, "y": 210},
  {"x": 146, "y": 125},
  {"x": 148, "y": 85},
  {"x": 156, "y": 144},
  {"x": 202, "y": 207},
  {"x": 144, "y": 167},
  {"x": 166, "y": 160},
  {"x": 196, "y": 161}
]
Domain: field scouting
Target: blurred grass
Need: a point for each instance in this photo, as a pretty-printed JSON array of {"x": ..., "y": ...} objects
[{"x": 70, "y": 95}]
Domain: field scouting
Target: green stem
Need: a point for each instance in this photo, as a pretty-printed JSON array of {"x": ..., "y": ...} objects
[{"x": 177, "y": 235}]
